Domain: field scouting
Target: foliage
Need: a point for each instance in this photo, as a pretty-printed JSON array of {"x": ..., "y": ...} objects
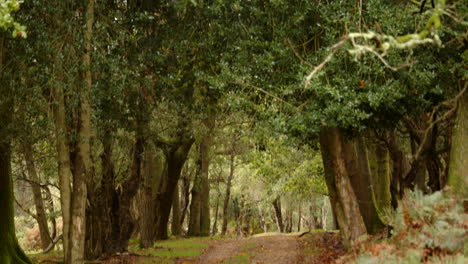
[
  {"x": 426, "y": 228},
  {"x": 282, "y": 168},
  {"x": 6, "y": 19},
  {"x": 357, "y": 94}
]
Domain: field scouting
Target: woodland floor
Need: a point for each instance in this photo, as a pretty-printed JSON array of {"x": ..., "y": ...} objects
[{"x": 270, "y": 248}]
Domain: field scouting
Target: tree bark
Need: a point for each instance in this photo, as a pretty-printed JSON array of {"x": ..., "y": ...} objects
[
  {"x": 153, "y": 171},
  {"x": 458, "y": 171},
  {"x": 380, "y": 160},
  {"x": 214, "y": 230},
  {"x": 175, "y": 225},
  {"x": 278, "y": 214},
  {"x": 130, "y": 187},
  {"x": 195, "y": 203},
  {"x": 64, "y": 164},
  {"x": 83, "y": 172},
  {"x": 186, "y": 197},
  {"x": 227, "y": 196},
  {"x": 199, "y": 224},
  {"x": 175, "y": 158},
  {"x": 342, "y": 196},
  {"x": 357, "y": 166},
  {"x": 51, "y": 209},
  {"x": 205, "y": 156},
  {"x": 397, "y": 169},
  {"x": 299, "y": 218},
  {"x": 41, "y": 215},
  {"x": 10, "y": 251}
]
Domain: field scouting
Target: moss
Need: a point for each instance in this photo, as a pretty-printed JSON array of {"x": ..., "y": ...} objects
[{"x": 10, "y": 251}]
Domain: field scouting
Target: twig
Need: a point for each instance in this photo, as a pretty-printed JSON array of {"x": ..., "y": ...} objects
[
  {"x": 263, "y": 91},
  {"x": 440, "y": 119},
  {"x": 297, "y": 53}
]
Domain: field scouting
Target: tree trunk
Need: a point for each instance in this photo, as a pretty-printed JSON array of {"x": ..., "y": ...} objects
[
  {"x": 199, "y": 224},
  {"x": 186, "y": 197},
  {"x": 334, "y": 221},
  {"x": 195, "y": 204},
  {"x": 299, "y": 214},
  {"x": 380, "y": 160},
  {"x": 237, "y": 215},
  {"x": 342, "y": 196},
  {"x": 103, "y": 229},
  {"x": 83, "y": 172},
  {"x": 323, "y": 219},
  {"x": 51, "y": 209},
  {"x": 41, "y": 215},
  {"x": 78, "y": 207},
  {"x": 397, "y": 169},
  {"x": 289, "y": 223},
  {"x": 214, "y": 230},
  {"x": 205, "y": 157},
  {"x": 278, "y": 214},
  {"x": 420, "y": 178},
  {"x": 175, "y": 226},
  {"x": 64, "y": 164},
  {"x": 246, "y": 222},
  {"x": 130, "y": 187},
  {"x": 110, "y": 229},
  {"x": 227, "y": 197},
  {"x": 175, "y": 158},
  {"x": 458, "y": 171},
  {"x": 153, "y": 171},
  {"x": 10, "y": 251},
  {"x": 357, "y": 166}
]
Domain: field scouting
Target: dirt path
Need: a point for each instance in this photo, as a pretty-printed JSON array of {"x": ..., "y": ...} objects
[{"x": 267, "y": 249}]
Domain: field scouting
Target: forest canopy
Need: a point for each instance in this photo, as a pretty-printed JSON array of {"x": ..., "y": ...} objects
[{"x": 128, "y": 123}]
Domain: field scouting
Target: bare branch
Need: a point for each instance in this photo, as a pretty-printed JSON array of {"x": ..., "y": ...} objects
[
  {"x": 333, "y": 49},
  {"x": 25, "y": 210}
]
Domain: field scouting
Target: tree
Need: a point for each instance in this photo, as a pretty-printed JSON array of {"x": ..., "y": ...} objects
[{"x": 10, "y": 251}]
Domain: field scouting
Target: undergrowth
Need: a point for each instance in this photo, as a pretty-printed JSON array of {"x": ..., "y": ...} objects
[{"x": 426, "y": 229}]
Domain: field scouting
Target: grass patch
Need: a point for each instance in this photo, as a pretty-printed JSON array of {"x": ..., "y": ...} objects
[
  {"x": 158, "y": 261},
  {"x": 176, "y": 253},
  {"x": 169, "y": 250},
  {"x": 241, "y": 259},
  {"x": 54, "y": 255},
  {"x": 189, "y": 243},
  {"x": 51, "y": 254}
]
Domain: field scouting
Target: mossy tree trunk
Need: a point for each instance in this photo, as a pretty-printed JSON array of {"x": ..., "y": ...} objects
[
  {"x": 10, "y": 251},
  {"x": 359, "y": 172},
  {"x": 458, "y": 172},
  {"x": 342, "y": 196},
  {"x": 380, "y": 176}
]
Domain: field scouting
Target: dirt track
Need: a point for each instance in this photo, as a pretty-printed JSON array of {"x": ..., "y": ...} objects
[{"x": 267, "y": 249}]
